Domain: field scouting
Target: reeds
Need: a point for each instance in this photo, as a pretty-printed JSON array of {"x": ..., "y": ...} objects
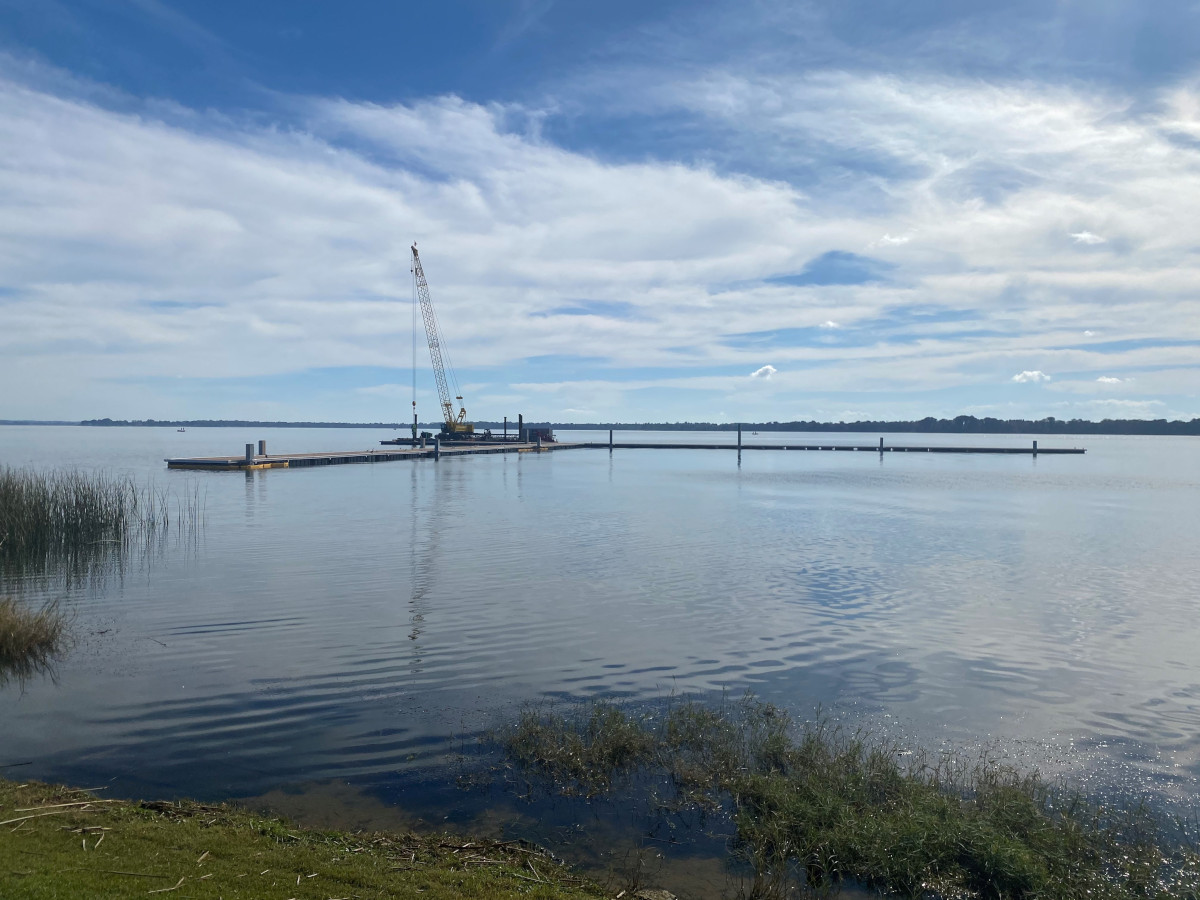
[
  {"x": 815, "y": 805},
  {"x": 60, "y": 518},
  {"x": 29, "y": 638}
]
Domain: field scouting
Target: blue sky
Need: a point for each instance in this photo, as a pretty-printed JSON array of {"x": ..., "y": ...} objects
[{"x": 626, "y": 211}]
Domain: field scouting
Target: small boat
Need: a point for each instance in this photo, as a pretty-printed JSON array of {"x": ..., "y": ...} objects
[{"x": 181, "y": 429}]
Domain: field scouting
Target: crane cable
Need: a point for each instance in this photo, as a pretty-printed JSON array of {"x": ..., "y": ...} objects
[
  {"x": 449, "y": 360},
  {"x": 413, "y": 271}
]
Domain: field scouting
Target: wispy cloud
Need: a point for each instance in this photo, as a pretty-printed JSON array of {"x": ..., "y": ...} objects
[
  {"x": 194, "y": 245},
  {"x": 1108, "y": 379},
  {"x": 1086, "y": 237}
]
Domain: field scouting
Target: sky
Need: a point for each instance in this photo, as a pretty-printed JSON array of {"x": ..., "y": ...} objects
[{"x": 626, "y": 211}]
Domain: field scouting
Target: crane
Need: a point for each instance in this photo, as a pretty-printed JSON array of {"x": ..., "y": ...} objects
[{"x": 454, "y": 424}]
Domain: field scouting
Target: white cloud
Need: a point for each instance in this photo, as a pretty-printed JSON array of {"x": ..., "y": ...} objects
[
  {"x": 206, "y": 247},
  {"x": 1028, "y": 376},
  {"x": 1107, "y": 379},
  {"x": 1086, "y": 237},
  {"x": 765, "y": 372}
]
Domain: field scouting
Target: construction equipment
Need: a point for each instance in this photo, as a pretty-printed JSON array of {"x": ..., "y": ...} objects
[{"x": 454, "y": 425}]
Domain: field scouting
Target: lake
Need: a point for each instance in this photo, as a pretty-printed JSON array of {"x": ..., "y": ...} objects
[{"x": 363, "y": 624}]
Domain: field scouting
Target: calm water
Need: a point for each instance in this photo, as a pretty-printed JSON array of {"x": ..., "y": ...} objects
[{"x": 358, "y": 623}]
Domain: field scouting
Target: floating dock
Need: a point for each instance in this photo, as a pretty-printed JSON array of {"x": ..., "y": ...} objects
[
  {"x": 261, "y": 460},
  {"x": 868, "y": 448}
]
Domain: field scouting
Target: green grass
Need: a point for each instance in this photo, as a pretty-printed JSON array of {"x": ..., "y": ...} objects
[
  {"x": 815, "y": 805},
  {"x": 29, "y": 638},
  {"x": 100, "y": 849},
  {"x": 59, "y": 519}
]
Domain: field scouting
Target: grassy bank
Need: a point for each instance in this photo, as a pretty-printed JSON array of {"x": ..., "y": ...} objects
[
  {"x": 814, "y": 805},
  {"x": 29, "y": 638},
  {"x": 57, "y": 843}
]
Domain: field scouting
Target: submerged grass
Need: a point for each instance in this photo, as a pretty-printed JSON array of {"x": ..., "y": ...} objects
[
  {"x": 29, "y": 638},
  {"x": 56, "y": 518},
  {"x": 815, "y": 805},
  {"x": 58, "y": 842}
]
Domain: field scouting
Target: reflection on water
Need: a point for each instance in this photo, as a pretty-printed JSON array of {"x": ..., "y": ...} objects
[
  {"x": 611, "y": 848},
  {"x": 354, "y": 623}
]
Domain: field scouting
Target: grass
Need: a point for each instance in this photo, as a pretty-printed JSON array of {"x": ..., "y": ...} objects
[
  {"x": 65, "y": 516},
  {"x": 815, "y": 805},
  {"x": 29, "y": 638},
  {"x": 57, "y": 842}
]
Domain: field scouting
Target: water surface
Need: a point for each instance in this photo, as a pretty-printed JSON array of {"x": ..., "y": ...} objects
[{"x": 359, "y": 623}]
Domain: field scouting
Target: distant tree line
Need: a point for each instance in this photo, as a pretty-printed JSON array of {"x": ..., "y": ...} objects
[
  {"x": 232, "y": 423},
  {"x": 928, "y": 425}
]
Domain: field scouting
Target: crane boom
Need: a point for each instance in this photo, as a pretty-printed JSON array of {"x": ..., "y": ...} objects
[{"x": 455, "y": 424}]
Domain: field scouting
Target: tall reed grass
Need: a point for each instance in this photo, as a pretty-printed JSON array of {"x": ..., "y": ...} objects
[
  {"x": 62, "y": 516},
  {"x": 814, "y": 805},
  {"x": 29, "y": 638}
]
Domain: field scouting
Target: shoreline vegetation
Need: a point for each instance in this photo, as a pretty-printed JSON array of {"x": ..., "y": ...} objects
[
  {"x": 927, "y": 425},
  {"x": 815, "y": 806},
  {"x": 30, "y": 639},
  {"x": 62, "y": 519},
  {"x": 65, "y": 842}
]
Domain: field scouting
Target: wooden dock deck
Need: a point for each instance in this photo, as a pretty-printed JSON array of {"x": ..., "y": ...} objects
[
  {"x": 868, "y": 448},
  {"x": 262, "y": 460},
  {"x": 351, "y": 457}
]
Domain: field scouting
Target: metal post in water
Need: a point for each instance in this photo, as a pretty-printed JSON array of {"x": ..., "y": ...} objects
[
  {"x": 521, "y": 427},
  {"x": 437, "y": 448},
  {"x": 249, "y": 453},
  {"x": 539, "y": 442},
  {"x": 610, "y": 440},
  {"x": 1035, "y": 448},
  {"x": 881, "y": 444},
  {"x": 506, "y": 428},
  {"x": 739, "y": 437},
  {"x": 262, "y": 448}
]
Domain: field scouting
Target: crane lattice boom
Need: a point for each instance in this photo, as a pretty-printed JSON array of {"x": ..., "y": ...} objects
[{"x": 454, "y": 423}]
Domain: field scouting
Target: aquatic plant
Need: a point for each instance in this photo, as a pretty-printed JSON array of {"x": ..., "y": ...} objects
[
  {"x": 815, "y": 804},
  {"x": 64, "y": 518},
  {"x": 29, "y": 638}
]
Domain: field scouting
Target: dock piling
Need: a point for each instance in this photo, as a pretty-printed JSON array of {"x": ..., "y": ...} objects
[
  {"x": 881, "y": 443},
  {"x": 739, "y": 437},
  {"x": 437, "y": 448},
  {"x": 249, "y": 453},
  {"x": 262, "y": 448},
  {"x": 1035, "y": 448},
  {"x": 610, "y": 431}
]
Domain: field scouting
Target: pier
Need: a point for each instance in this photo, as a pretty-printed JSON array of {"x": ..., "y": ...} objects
[
  {"x": 868, "y": 448},
  {"x": 435, "y": 450},
  {"x": 260, "y": 460}
]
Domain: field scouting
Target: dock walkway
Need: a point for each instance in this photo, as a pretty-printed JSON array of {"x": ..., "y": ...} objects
[
  {"x": 262, "y": 460},
  {"x": 343, "y": 458},
  {"x": 1033, "y": 450}
]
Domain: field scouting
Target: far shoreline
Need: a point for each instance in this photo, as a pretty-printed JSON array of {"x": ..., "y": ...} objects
[{"x": 929, "y": 425}]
